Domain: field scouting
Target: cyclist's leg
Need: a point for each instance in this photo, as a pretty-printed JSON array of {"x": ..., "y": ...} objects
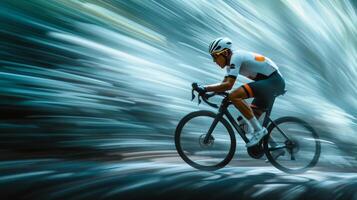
[
  {"x": 237, "y": 97},
  {"x": 259, "y": 89},
  {"x": 265, "y": 90},
  {"x": 261, "y": 104},
  {"x": 256, "y": 110}
]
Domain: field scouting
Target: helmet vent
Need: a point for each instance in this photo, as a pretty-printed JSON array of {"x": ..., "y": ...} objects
[{"x": 219, "y": 44}]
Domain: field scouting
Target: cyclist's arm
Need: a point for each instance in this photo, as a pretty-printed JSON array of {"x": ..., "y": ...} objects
[
  {"x": 225, "y": 79},
  {"x": 229, "y": 79},
  {"x": 226, "y": 84}
]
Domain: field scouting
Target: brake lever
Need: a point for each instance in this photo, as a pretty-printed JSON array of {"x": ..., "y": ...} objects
[
  {"x": 199, "y": 99},
  {"x": 194, "y": 96}
]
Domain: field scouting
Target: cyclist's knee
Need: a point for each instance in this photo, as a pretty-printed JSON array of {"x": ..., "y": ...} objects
[
  {"x": 239, "y": 93},
  {"x": 233, "y": 96}
]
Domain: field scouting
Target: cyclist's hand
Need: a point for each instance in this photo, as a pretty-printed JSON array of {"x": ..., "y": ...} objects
[{"x": 199, "y": 88}]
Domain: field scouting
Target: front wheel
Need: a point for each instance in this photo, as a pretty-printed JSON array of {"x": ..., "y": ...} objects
[
  {"x": 212, "y": 154},
  {"x": 292, "y": 145}
]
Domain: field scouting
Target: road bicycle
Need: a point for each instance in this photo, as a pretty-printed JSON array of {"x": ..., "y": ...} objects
[{"x": 205, "y": 140}]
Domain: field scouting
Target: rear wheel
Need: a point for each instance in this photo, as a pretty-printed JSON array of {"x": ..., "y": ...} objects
[
  {"x": 295, "y": 154},
  {"x": 195, "y": 151}
]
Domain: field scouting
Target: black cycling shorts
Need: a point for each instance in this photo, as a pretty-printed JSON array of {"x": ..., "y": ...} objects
[{"x": 264, "y": 91}]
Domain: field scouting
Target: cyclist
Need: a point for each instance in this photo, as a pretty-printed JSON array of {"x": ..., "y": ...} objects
[{"x": 267, "y": 82}]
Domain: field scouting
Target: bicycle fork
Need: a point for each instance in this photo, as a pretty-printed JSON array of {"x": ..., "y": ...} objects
[{"x": 212, "y": 127}]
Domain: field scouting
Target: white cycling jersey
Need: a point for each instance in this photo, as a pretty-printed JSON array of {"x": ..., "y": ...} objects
[{"x": 251, "y": 65}]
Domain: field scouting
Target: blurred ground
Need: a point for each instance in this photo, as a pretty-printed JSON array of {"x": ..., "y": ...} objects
[{"x": 162, "y": 175}]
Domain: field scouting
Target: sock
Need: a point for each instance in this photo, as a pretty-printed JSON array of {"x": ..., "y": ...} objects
[{"x": 255, "y": 123}]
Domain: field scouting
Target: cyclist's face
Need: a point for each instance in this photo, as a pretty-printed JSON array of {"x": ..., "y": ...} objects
[
  {"x": 221, "y": 61},
  {"x": 220, "y": 58}
]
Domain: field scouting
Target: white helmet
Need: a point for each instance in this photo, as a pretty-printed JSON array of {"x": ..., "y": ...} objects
[{"x": 219, "y": 44}]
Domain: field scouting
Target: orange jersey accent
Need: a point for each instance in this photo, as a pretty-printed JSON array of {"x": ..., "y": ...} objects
[{"x": 259, "y": 58}]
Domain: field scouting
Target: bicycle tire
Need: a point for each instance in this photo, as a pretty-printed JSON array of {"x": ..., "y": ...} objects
[
  {"x": 305, "y": 125},
  {"x": 182, "y": 154}
]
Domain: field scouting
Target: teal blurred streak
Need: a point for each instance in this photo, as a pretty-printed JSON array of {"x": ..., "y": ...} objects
[{"x": 87, "y": 73}]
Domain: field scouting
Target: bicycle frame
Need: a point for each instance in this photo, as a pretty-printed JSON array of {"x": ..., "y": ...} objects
[{"x": 223, "y": 110}]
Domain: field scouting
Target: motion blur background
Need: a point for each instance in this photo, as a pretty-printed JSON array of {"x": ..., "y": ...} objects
[{"x": 92, "y": 82}]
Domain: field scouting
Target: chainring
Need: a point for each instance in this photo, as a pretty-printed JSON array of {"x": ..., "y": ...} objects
[{"x": 256, "y": 151}]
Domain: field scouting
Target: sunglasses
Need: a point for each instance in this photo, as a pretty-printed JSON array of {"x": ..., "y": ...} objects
[{"x": 217, "y": 54}]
